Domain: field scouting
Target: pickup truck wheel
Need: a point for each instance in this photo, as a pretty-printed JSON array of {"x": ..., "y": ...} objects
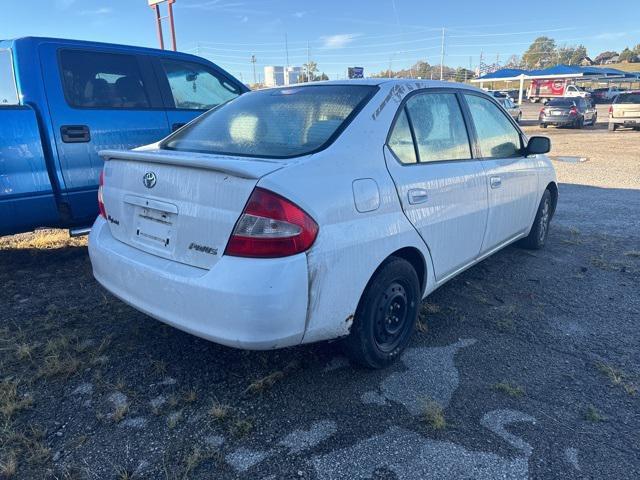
[
  {"x": 543, "y": 125},
  {"x": 386, "y": 315},
  {"x": 540, "y": 229},
  {"x": 612, "y": 127}
]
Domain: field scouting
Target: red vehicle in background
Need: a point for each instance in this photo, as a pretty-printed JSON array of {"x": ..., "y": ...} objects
[{"x": 544, "y": 90}]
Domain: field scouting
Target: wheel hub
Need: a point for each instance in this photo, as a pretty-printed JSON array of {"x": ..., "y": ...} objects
[{"x": 391, "y": 317}]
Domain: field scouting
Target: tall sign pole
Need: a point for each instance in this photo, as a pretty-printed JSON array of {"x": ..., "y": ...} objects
[{"x": 155, "y": 4}]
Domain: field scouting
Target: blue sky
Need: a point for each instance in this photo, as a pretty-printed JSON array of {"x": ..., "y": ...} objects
[{"x": 373, "y": 34}]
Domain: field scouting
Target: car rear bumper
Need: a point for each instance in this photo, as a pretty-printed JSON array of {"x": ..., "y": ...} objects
[
  {"x": 558, "y": 120},
  {"x": 241, "y": 302},
  {"x": 631, "y": 121}
]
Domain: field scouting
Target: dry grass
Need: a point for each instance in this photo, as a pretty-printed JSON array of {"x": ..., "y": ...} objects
[
  {"x": 219, "y": 412},
  {"x": 593, "y": 415},
  {"x": 120, "y": 412},
  {"x": 433, "y": 415},
  {"x": 617, "y": 378},
  {"x": 508, "y": 389},
  {"x": 241, "y": 427},
  {"x": 190, "y": 396},
  {"x": 42, "y": 239},
  {"x": 174, "y": 419},
  {"x": 11, "y": 402},
  {"x": 265, "y": 383},
  {"x": 9, "y": 467}
]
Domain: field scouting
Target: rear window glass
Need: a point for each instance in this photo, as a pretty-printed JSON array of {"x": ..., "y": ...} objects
[
  {"x": 561, "y": 103},
  {"x": 277, "y": 123},
  {"x": 628, "y": 98},
  {"x": 8, "y": 91},
  {"x": 102, "y": 80}
]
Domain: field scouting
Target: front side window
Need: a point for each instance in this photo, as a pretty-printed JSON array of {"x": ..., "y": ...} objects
[
  {"x": 8, "y": 90},
  {"x": 438, "y": 126},
  {"x": 277, "y": 123},
  {"x": 497, "y": 137},
  {"x": 401, "y": 141},
  {"x": 102, "y": 80},
  {"x": 195, "y": 87}
]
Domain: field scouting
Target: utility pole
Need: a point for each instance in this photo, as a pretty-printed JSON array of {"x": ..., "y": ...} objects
[
  {"x": 253, "y": 61},
  {"x": 308, "y": 61},
  {"x": 286, "y": 49},
  {"x": 442, "y": 56}
]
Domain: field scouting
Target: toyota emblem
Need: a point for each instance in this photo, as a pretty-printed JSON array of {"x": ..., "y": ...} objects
[{"x": 149, "y": 179}]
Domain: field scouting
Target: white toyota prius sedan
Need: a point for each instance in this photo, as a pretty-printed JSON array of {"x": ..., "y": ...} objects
[{"x": 319, "y": 211}]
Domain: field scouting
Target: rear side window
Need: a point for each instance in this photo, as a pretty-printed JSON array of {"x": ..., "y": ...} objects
[
  {"x": 438, "y": 126},
  {"x": 278, "y": 123},
  {"x": 497, "y": 137},
  {"x": 8, "y": 90},
  {"x": 102, "y": 80},
  {"x": 628, "y": 98},
  {"x": 195, "y": 87},
  {"x": 401, "y": 142}
]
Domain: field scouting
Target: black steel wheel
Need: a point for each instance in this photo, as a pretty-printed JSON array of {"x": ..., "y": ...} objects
[{"x": 386, "y": 315}]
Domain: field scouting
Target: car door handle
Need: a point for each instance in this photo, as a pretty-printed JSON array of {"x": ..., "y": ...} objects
[
  {"x": 417, "y": 195},
  {"x": 75, "y": 133},
  {"x": 177, "y": 126},
  {"x": 495, "y": 182}
]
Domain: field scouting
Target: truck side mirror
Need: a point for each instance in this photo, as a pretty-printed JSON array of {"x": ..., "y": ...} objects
[{"x": 538, "y": 146}]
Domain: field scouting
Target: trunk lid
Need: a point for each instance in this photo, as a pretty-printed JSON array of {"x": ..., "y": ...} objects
[{"x": 181, "y": 206}]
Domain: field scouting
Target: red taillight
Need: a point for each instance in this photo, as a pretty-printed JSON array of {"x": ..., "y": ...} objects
[
  {"x": 271, "y": 226},
  {"x": 103, "y": 212},
  {"x": 573, "y": 111}
]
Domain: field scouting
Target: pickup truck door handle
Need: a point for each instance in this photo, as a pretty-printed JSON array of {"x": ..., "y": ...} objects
[
  {"x": 417, "y": 195},
  {"x": 495, "y": 182},
  {"x": 75, "y": 133},
  {"x": 176, "y": 126}
]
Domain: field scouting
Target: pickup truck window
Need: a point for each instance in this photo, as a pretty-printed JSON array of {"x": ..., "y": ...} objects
[
  {"x": 8, "y": 90},
  {"x": 194, "y": 87},
  {"x": 102, "y": 80}
]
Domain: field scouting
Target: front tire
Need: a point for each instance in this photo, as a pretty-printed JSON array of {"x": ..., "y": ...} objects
[
  {"x": 386, "y": 315},
  {"x": 540, "y": 229},
  {"x": 612, "y": 127}
]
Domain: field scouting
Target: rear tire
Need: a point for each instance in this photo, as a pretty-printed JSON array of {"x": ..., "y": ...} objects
[
  {"x": 540, "y": 229},
  {"x": 579, "y": 123},
  {"x": 612, "y": 127},
  {"x": 543, "y": 125},
  {"x": 386, "y": 315}
]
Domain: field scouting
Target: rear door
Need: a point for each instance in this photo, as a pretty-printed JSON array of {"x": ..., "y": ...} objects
[
  {"x": 512, "y": 178},
  {"x": 441, "y": 186},
  {"x": 98, "y": 99},
  {"x": 190, "y": 88}
]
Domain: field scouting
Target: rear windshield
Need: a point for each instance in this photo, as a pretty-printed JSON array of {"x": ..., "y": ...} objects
[
  {"x": 277, "y": 123},
  {"x": 560, "y": 103},
  {"x": 628, "y": 98}
]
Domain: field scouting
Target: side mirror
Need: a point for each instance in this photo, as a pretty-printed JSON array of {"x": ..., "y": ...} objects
[{"x": 538, "y": 146}]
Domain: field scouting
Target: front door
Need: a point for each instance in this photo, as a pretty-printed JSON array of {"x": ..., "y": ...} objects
[
  {"x": 441, "y": 187},
  {"x": 512, "y": 179},
  {"x": 98, "y": 99}
]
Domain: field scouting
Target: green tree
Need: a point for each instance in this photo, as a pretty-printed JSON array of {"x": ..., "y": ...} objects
[
  {"x": 541, "y": 53},
  {"x": 310, "y": 69},
  {"x": 628, "y": 55}
]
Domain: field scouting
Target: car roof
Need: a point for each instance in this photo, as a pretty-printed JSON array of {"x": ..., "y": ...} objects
[{"x": 390, "y": 82}]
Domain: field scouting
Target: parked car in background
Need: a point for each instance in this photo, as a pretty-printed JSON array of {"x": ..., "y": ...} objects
[
  {"x": 545, "y": 90},
  {"x": 513, "y": 109},
  {"x": 61, "y": 101},
  {"x": 606, "y": 94},
  {"x": 568, "y": 112},
  {"x": 319, "y": 211},
  {"x": 625, "y": 111},
  {"x": 512, "y": 94}
]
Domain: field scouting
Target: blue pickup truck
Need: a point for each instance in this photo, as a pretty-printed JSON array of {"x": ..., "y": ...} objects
[{"x": 62, "y": 101}]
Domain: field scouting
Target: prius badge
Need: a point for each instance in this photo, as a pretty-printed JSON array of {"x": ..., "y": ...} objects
[{"x": 149, "y": 179}]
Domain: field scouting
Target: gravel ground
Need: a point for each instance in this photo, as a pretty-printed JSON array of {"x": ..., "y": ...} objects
[{"x": 525, "y": 366}]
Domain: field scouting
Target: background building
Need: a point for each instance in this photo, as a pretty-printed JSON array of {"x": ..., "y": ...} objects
[
  {"x": 273, "y": 76},
  {"x": 292, "y": 75}
]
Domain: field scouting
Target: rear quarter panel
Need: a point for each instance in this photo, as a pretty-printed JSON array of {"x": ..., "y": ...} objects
[{"x": 350, "y": 245}]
